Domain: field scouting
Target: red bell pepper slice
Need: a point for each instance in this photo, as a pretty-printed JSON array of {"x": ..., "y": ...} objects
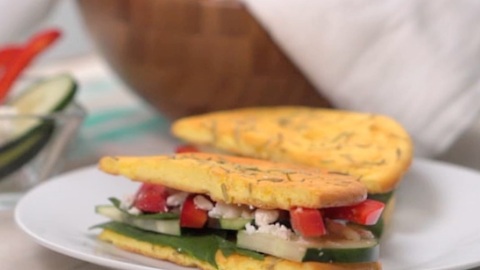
[
  {"x": 192, "y": 216},
  {"x": 186, "y": 149},
  {"x": 27, "y": 53},
  {"x": 151, "y": 198},
  {"x": 366, "y": 213},
  {"x": 8, "y": 54},
  {"x": 307, "y": 222}
]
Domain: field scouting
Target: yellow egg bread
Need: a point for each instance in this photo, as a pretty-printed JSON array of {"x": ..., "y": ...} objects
[
  {"x": 231, "y": 262},
  {"x": 373, "y": 148},
  {"x": 237, "y": 180}
]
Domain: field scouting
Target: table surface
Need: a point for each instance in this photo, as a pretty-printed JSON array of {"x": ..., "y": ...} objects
[
  {"x": 18, "y": 251},
  {"x": 148, "y": 136}
]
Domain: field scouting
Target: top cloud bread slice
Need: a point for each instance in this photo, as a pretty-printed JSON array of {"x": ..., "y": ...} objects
[{"x": 237, "y": 180}]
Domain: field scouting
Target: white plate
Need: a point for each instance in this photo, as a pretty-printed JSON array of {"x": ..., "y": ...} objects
[{"x": 435, "y": 226}]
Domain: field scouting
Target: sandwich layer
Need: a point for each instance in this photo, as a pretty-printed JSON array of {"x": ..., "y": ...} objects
[
  {"x": 236, "y": 180},
  {"x": 373, "y": 148},
  {"x": 231, "y": 262},
  {"x": 152, "y": 250}
]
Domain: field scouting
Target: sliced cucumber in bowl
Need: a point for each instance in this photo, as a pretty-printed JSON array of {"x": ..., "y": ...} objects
[
  {"x": 41, "y": 99},
  {"x": 22, "y": 151},
  {"x": 48, "y": 95},
  {"x": 32, "y": 127}
]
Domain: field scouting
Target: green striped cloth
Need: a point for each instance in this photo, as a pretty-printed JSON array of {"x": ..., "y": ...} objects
[{"x": 118, "y": 123}]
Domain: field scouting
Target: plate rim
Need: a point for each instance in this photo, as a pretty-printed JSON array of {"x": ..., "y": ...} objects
[{"x": 109, "y": 262}]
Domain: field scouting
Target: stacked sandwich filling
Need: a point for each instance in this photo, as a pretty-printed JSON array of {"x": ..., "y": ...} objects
[
  {"x": 198, "y": 211},
  {"x": 281, "y": 233}
]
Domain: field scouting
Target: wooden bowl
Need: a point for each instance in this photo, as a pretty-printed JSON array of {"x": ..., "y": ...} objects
[{"x": 193, "y": 56}]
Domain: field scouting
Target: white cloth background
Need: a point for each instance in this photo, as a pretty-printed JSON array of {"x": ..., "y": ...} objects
[
  {"x": 415, "y": 60},
  {"x": 20, "y": 17}
]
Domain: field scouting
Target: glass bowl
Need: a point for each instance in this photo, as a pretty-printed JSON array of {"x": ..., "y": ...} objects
[{"x": 34, "y": 156}]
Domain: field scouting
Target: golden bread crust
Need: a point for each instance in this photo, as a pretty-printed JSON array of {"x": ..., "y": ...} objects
[
  {"x": 150, "y": 250},
  {"x": 236, "y": 261},
  {"x": 232, "y": 262},
  {"x": 374, "y": 148},
  {"x": 236, "y": 180}
]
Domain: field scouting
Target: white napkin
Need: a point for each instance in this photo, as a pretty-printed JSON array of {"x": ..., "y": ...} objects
[{"x": 415, "y": 60}]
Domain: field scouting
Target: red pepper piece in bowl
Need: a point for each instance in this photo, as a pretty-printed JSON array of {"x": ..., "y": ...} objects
[{"x": 16, "y": 59}]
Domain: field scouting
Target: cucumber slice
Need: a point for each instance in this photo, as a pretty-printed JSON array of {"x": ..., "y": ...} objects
[
  {"x": 13, "y": 158},
  {"x": 234, "y": 224},
  {"x": 166, "y": 226},
  {"x": 272, "y": 245},
  {"x": 32, "y": 128},
  {"x": 46, "y": 96},
  {"x": 344, "y": 251},
  {"x": 300, "y": 250}
]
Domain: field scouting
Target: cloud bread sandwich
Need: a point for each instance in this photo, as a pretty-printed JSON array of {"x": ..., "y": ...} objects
[
  {"x": 216, "y": 211},
  {"x": 373, "y": 148}
]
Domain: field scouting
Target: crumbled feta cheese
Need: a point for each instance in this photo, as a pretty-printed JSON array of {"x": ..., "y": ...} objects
[
  {"x": 223, "y": 210},
  {"x": 134, "y": 211},
  {"x": 127, "y": 202},
  {"x": 249, "y": 228},
  {"x": 202, "y": 203},
  {"x": 265, "y": 217},
  {"x": 276, "y": 229},
  {"x": 247, "y": 213},
  {"x": 176, "y": 199}
]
